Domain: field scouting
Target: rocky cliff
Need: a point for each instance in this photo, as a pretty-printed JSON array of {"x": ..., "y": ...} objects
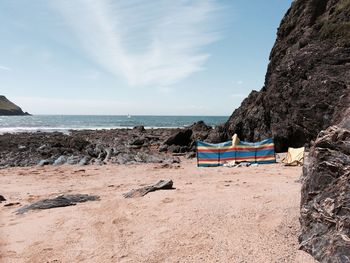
[
  {"x": 9, "y": 108},
  {"x": 307, "y": 84},
  {"x": 325, "y": 199}
]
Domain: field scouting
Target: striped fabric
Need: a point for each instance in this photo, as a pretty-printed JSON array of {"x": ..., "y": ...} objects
[
  {"x": 217, "y": 154},
  {"x": 257, "y": 152},
  {"x": 209, "y": 154}
]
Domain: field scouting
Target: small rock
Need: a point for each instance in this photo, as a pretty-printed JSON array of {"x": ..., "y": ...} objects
[
  {"x": 138, "y": 141},
  {"x": 125, "y": 158},
  {"x": 162, "y": 184},
  {"x": 174, "y": 148},
  {"x": 191, "y": 155},
  {"x": 154, "y": 159},
  {"x": 60, "y": 160},
  {"x": 85, "y": 160},
  {"x": 163, "y": 148},
  {"x": 73, "y": 159},
  {"x": 2, "y": 198},
  {"x": 43, "y": 162},
  {"x": 172, "y": 160},
  {"x": 139, "y": 128},
  {"x": 183, "y": 149}
]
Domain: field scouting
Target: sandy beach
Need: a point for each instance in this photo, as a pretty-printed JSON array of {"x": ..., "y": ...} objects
[{"x": 247, "y": 214}]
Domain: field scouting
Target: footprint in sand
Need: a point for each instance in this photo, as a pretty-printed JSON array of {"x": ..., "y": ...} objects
[
  {"x": 10, "y": 253},
  {"x": 167, "y": 200},
  {"x": 260, "y": 217},
  {"x": 119, "y": 220},
  {"x": 115, "y": 186},
  {"x": 99, "y": 224}
]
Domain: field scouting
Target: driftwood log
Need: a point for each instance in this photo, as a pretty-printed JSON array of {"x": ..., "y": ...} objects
[
  {"x": 162, "y": 184},
  {"x": 59, "y": 201}
]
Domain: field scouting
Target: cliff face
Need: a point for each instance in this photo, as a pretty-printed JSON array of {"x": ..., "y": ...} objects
[
  {"x": 325, "y": 196},
  {"x": 307, "y": 84},
  {"x": 9, "y": 108}
]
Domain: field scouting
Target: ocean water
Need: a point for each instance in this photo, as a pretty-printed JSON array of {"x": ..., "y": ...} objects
[{"x": 64, "y": 123}]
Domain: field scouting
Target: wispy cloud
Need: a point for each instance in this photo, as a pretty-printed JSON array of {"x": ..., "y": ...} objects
[
  {"x": 5, "y": 68},
  {"x": 237, "y": 82},
  {"x": 92, "y": 75},
  {"x": 165, "y": 90},
  {"x": 156, "y": 42}
]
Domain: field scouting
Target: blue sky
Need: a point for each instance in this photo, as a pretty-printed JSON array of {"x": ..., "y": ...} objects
[{"x": 161, "y": 57}]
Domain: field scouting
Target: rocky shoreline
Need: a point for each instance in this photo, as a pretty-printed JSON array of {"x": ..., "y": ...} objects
[{"x": 120, "y": 146}]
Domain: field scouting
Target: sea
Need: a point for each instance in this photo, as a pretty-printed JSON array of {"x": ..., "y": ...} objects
[{"x": 64, "y": 123}]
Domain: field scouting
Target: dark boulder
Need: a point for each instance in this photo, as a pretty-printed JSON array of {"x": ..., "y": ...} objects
[
  {"x": 325, "y": 199},
  {"x": 200, "y": 131},
  {"x": 139, "y": 128},
  {"x": 138, "y": 142},
  {"x": 218, "y": 134},
  {"x": 199, "y": 126},
  {"x": 181, "y": 138}
]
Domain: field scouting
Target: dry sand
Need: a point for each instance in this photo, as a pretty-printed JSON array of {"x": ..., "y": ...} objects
[{"x": 215, "y": 215}]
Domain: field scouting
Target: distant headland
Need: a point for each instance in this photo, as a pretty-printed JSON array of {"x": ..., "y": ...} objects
[{"x": 8, "y": 108}]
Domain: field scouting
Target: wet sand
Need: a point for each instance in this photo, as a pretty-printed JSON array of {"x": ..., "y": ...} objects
[{"x": 247, "y": 214}]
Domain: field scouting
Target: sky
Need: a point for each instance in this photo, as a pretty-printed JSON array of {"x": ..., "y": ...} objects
[{"x": 138, "y": 57}]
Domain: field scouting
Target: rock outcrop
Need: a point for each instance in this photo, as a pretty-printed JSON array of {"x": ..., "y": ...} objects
[
  {"x": 9, "y": 108},
  {"x": 307, "y": 83},
  {"x": 325, "y": 200},
  {"x": 121, "y": 146}
]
